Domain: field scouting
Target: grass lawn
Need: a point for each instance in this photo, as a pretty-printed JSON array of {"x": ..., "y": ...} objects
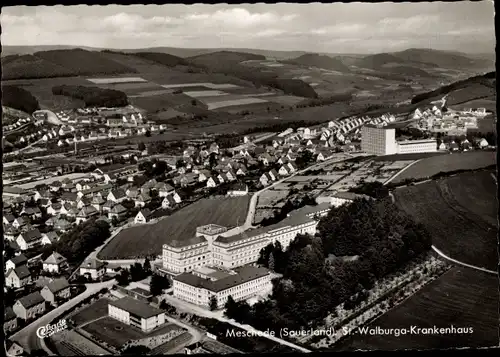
[
  {"x": 462, "y": 297},
  {"x": 460, "y": 213},
  {"x": 408, "y": 157},
  {"x": 92, "y": 312},
  {"x": 459, "y": 161},
  {"x": 130, "y": 243},
  {"x": 117, "y": 333}
]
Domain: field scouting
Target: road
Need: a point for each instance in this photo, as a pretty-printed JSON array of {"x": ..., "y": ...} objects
[
  {"x": 218, "y": 316},
  {"x": 442, "y": 255},
  {"x": 400, "y": 171},
  {"x": 27, "y": 337}
]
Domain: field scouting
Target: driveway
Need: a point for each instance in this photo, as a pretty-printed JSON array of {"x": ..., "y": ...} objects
[
  {"x": 27, "y": 337},
  {"x": 218, "y": 315}
]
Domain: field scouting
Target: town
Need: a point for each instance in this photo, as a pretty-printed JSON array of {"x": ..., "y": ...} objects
[{"x": 185, "y": 201}]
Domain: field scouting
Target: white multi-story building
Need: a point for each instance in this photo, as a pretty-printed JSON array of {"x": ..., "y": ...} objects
[
  {"x": 337, "y": 199},
  {"x": 136, "y": 313},
  {"x": 213, "y": 245},
  {"x": 241, "y": 283},
  {"x": 381, "y": 140},
  {"x": 378, "y": 140},
  {"x": 417, "y": 146}
]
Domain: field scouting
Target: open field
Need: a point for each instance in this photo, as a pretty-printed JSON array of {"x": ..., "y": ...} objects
[
  {"x": 205, "y": 93},
  {"x": 92, "y": 312},
  {"x": 461, "y": 297},
  {"x": 116, "y": 333},
  {"x": 181, "y": 225},
  {"x": 444, "y": 163},
  {"x": 489, "y": 103},
  {"x": 116, "y": 80},
  {"x": 408, "y": 157},
  {"x": 236, "y": 102},
  {"x": 132, "y": 88},
  {"x": 460, "y": 213}
]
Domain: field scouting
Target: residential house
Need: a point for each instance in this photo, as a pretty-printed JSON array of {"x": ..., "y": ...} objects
[
  {"x": 18, "y": 277},
  {"x": 204, "y": 175},
  {"x": 443, "y": 146},
  {"x": 29, "y": 306},
  {"x": 29, "y": 239},
  {"x": 222, "y": 178},
  {"x": 186, "y": 180},
  {"x": 31, "y": 212},
  {"x": 265, "y": 179},
  {"x": 118, "y": 211},
  {"x": 49, "y": 238},
  {"x": 117, "y": 196},
  {"x": 142, "y": 200},
  {"x": 56, "y": 290},
  {"x": 143, "y": 216},
  {"x": 212, "y": 182},
  {"x": 83, "y": 202},
  {"x": 10, "y": 321},
  {"x": 61, "y": 224},
  {"x": 171, "y": 200},
  {"x": 107, "y": 206},
  {"x": 10, "y": 233},
  {"x": 15, "y": 262},
  {"x": 55, "y": 186},
  {"x": 86, "y": 213},
  {"x": 164, "y": 189},
  {"x": 69, "y": 197},
  {"x": 55, "y": 263},
  {"x": 8, "y": 219},
  {"x": 242, "y": 171},
  {"x": 132, "y": 192},
  {"x": 67, "y": 208},
  {"x": 54, "y": 209},
  {"x": 214, "y": 148},
  {"x": 238, "y": 189},
  {"x": 293, "y": 167},
  {"x": 97, "y": 202},
  {"x": 274, "y": 175},
  {"x": 92, "y": 269},
  {"x": 454, "y": 146},
  {"x": 20, "y": 222},
  {"x": 285, "y": 170}
]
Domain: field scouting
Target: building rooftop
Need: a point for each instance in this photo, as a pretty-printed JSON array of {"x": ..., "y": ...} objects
[
  {"x": 31, "y": 299},
  {"x": 136, "y": 307},
  {"x": 243, "y": 275},
  {"x": 57, "y": 285},
  {"x": 410, "y": 142},
  {"x": 211, "y": 229},
  {"x": 19, "y": 260},
  {"x": 55, "y": 258}
]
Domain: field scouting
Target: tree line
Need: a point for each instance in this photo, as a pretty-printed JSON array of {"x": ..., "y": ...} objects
[
  {"x": 19, "y": 98},
  {"x": 93, "y": 96}
]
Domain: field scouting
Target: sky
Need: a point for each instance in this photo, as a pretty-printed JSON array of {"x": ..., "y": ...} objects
[{"x": 330, "y": 28}]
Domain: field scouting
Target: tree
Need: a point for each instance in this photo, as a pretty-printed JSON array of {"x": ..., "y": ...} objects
[
  {"x": 271, "y": 261},
  {"x": 141, "y": 146},
  {"x": 230, "y": 307},
  {"x": 114, "y": 221},
  {"x": 123, "y": 278},
  {"x": 213, "y": 303},
  {"x": 138, "y": 350},
  {"x": 193, "y": 102},
  {"x": 158, "y": 284},
  {"x": 212, "y": 159},
  {"x": 147, "y": 133},
  {"x": 147, "y": 265}
]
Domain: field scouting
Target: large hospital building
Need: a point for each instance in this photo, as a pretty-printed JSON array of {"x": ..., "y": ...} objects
[{"x": 381, "y": 140}]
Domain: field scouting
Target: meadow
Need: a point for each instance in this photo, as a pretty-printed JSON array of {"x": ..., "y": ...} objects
[
  {"x": 467, "y": 209},
  {"x": 445, "y": 163},
  {"x": 461, "y": 297},
  {"x": 181, "y": 225}
]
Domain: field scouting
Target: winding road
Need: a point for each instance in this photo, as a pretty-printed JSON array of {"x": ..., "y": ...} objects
[{"x": 27, "y": 337}]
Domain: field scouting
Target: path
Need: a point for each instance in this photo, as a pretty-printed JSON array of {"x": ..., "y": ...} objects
[
  {"x": 442, "y": 255},
  {"x": 27, "y": 337},
  {"x": 217, "y": 315},
  {"x": 400, "y": 171}
]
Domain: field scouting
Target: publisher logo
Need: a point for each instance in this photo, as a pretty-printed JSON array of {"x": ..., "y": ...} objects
[{"x": 49, "y": 330}]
